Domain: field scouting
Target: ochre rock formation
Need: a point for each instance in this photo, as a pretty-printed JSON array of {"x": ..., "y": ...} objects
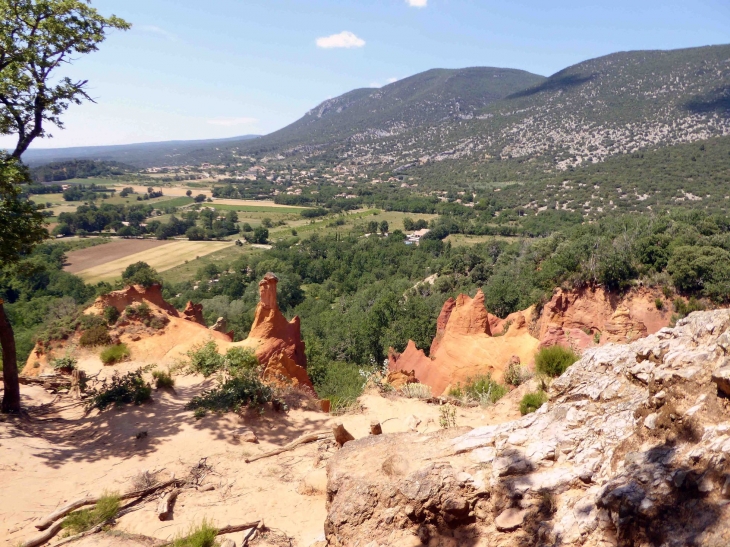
[
  {"x": 464, "y": 346},
  {"x": 573, "y": 318},
  {"x": 132, "y": 295},
  {"x": 272, "y": 335},
  {"x": 194, "y": 313},
  {"x": 276, "y": 341},
  {"x": 400, "y": 378}
]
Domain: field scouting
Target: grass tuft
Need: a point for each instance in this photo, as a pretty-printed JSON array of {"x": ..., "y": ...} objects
[
  {"x": 81, "y": 521},
  {"x": 531, "y": 402},
  {"x": 200, "y": 536},
  {"x": 554, "y": 361}
]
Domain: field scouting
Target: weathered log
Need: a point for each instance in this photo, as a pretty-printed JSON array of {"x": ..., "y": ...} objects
[
  {"x": 341, "y": 434},
  {"x": 304, "y": 439},
  {"x": 233, "y": 528},
  {"x": 40, "y": 539},
  {"x": 46, "y": 521},
  {"x": 164, "y": 508},
  {"x": 376, "y": 428}
]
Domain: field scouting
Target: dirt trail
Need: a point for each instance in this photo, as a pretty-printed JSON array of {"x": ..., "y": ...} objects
[{"x": 50, "y": 459}]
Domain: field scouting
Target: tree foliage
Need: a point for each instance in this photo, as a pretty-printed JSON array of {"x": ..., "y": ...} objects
[{"x": 38, "y": 37}]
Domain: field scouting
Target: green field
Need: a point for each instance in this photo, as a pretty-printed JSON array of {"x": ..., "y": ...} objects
[
  {"x": 187, "y": 270},
  {"x": 256, "y": 209}
]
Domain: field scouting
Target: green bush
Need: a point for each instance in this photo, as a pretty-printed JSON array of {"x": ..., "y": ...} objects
[
  {"x": 163, "y": 379},
  {"x": 240, "y": 360},
  {"x": 129, "y": 388},
  {"x": 659, "y": 303},
  {"x": 95, "y": 336},
  {"x": 341, "y": 383},
  {"x": 115, "y": 354},
  {"x": 205, "y": 359},
  {"x": 243, "y": 390},
  {"x": 111, "y": 315},
  {"x": 482, "y": 389},
  {"x": 80, "y": 521},
  {"x": 555, "y": 360},
  {"x": 66, "y": 363},
  {"x": 139, "y": 311},
  {"x": 515, "y": 375},
  {"x": 531, "y": 402},
  {"x": 202, "y": 536}
]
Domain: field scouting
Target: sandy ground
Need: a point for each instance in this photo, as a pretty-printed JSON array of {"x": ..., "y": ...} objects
[
  {"x": 83, "y": 259},
  {"x": 162, "y": 259},
  {"x": 48, "y": 458}
]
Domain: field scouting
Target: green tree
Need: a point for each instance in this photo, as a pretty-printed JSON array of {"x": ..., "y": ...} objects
[
  {"x": 141, "y": 273},
  {"x": 37, "y": 38},
  {"x": 189, "y": 193},
  {"x": 384, "y": 227}
]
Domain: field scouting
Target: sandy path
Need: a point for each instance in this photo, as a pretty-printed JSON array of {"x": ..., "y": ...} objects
[
  {"x": 77, "y": 261},
  {"x": 48, "y": 460}
]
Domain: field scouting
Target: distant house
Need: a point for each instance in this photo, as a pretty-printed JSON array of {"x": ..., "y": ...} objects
[{"x": 415, "y": 237}]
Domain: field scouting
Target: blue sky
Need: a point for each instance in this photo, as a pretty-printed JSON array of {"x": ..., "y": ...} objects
[{"x": 190, "y": 69}]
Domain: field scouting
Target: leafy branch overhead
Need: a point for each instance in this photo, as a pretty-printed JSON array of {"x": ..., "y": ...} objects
[{"x": 37, "y": 37}]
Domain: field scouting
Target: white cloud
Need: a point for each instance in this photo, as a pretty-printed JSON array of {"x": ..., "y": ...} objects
[
  {"x": 417, "y": 3},
  {"x": 231, "y": 122},
  {"x": 344, "y": 39},
  {"x": 152, "y": 29}
]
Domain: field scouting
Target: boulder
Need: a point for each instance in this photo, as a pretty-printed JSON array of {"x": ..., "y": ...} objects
[
  {"x": 399, "y": 378},
  {"x": 721, "y": 377},
  {"x": 582, "y": 470}
]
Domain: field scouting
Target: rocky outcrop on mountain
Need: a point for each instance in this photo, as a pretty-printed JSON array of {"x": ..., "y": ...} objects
[
  {"x": 401, "y": 378},
  {"x": 194, "y": 313},
  {"x": 464, "y": 346},
  {"x": 632, "y": 449}
]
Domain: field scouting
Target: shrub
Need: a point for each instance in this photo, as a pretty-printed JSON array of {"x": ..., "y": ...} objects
[
  {"x": 205, "y": 359},
  {"x": 115, "y": 354},
  {"x": 555, "y": 360},
  {"x": 202, "y": 536},
  {"x": 447, "y": 416},
  {"x": 111, "y": 315},
  {"x": 531, "y": 402},
  {"x": 341, "y": 383},
  {"x": 416, "y": 391},
  {"x": 482, "y": 389},
  {"x": 515, "y": 375},
  {"x": 65, "y": 364},
  {"x": 659, "y": 303},
  {"x": 163, "y": 379},
  {"x": 683, "y": 308},
  {"x": 80, "y": 521},
  {"x": 667, "y": 291},
  {"x": 120, "y": 390},
  {"x": 243, "y": 390},
  {"x": 240, "y": 360},
  {"x": 95, "y": 336},
  {"x": 139, "y": 311}
]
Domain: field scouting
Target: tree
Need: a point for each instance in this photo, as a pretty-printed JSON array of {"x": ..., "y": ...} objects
[
  {"x": 200, "y": 198},
  {"x": 37, "y": 37},
  {"x": 384, "y": 227},
  {"x": 141, "y": 273},
  {"x": 260, "y": 235},
  {"x": 189, "y": 193}
]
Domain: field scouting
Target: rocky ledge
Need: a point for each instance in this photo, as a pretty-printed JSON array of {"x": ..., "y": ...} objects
[{"x": 632, "y": 449}]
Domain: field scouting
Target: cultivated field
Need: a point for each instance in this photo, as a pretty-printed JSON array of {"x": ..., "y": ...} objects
[
  {"x": 93, "y": 257},
  {"x": 161, "y": 258}
]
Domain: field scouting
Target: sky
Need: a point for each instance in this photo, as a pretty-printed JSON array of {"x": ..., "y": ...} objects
[{"x": 221, "y": 68}]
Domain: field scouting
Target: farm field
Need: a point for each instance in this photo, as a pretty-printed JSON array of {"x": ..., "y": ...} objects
[
  {"x": 84, "y": 259},
  {"x": 255, "y": 208},
  {"x": 256, "y": 203},
  {"x": 176, "y": 191},
  {"x": 160, "y": 257},
  {"x": 186, "y": 272},
  {"x": 461, "y": 240}
]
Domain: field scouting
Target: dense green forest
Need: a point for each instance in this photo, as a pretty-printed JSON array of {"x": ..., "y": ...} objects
[
  {"x": 358, "y": 296},
  {"x": 77, "y": 169}
]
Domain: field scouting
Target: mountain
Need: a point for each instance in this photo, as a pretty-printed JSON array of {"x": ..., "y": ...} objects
[
  {"x": 138, "y": 155},
  {"x": 423, "y": 100},
  {"x": 604, "y": 107}
]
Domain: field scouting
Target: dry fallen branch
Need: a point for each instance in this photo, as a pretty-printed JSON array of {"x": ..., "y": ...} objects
[
  {"x": 164, "y": 508},
  {"x": 46, "y": 536},
  {"x": 40, "y": 539},
  {"x": 46, "y": 521},
  {"x": 304, "y": 439}
]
